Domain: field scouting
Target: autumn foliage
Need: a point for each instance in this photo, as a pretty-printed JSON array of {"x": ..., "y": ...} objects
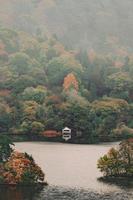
[
  {"x": 19, "y": 169},
  {"x": 70, "y": 81},
  {"x": 5, "y": 93},
  {"x": 118, "y": 162},
  {"x": 45, "y": 85}
]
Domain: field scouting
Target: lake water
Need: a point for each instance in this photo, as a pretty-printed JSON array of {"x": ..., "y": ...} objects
[{"x": 71, "y": 171}]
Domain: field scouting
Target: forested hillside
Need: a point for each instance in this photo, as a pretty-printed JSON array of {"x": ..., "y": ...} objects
[
  {"x": 67, "y": 63},
  {"x": 43, "y": 86},
  {"x": 106, "y": 26}
]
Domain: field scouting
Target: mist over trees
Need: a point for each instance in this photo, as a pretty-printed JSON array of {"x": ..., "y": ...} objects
[
  {"x": 104, "y": 26},
  {"x": 52, "y": 76}
]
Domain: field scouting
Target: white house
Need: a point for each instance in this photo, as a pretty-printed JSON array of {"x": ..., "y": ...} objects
[{"x": 66, "y": 133}]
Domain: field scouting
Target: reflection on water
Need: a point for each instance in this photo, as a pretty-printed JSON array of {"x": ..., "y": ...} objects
[
  {"x": 71, "y": 173},
  {"x": 123, "y": 182},
  {"x": 19, "y": 193},
  {"x": 59, "y": 193}
]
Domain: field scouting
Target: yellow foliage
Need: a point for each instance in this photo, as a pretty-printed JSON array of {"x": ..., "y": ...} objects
[
  {"x": 30, "y": 108},
  {"x": 109, "y": 103}
]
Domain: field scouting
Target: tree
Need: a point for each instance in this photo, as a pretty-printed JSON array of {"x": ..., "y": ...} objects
[
  {"x": 118, "y": 162},
  {"x": 10, "y": 40},
  {"x": 5, "y": 117},
  {"x": 6, "y": 77},
  {"x": 30, "y": 110},
  {"x": 3, "y": 53},
  {"x": 107, "y": 113},
  {"x": 120, "y": 84},
  {"x": 37, "y": 127},
  {"x": 32, "y": 127},
  {"x": 5, "y": 148},
  {"x": 32, "y": 122},
  {"x": 22, "y": 82},
  {"x": 20, "y": 168},
  {"x": 70, "y": 82},
  {"x": 35, "y": 94},
  {"x": 20, "y": 62},
  {"x": 59, "y": 67}
]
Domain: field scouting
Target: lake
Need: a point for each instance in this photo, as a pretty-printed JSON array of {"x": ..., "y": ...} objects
[{"x": 71, "y": 171}]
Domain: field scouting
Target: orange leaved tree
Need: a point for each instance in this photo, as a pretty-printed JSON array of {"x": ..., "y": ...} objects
[{"x": 70, "y": 81}]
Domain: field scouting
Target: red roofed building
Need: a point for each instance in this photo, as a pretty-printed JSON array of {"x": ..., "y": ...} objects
[{"x": 51, "y": 133}]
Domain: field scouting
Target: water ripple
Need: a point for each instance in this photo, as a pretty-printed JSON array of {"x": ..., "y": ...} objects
[{"x": 60, "y": 193}]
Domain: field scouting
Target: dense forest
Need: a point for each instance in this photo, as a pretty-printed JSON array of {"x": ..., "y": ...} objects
[
  {"x": 105, "y": 26},
  {"x": 49, "y": 81},
  {"x": 45, "y": 86}
]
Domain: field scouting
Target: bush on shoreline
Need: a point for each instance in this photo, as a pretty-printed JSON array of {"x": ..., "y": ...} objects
[
  {"x": 18, "y": 168},
  {"x": 118, "y": 162}
]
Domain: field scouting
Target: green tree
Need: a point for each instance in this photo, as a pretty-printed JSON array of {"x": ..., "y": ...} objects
[
  {"x": 32, "y": 127},
  {"x": 22, "y": 82},
  {"x": 5, "y": 148},
  {"x": 6, "y": 77},
  {"x": 10, "y": 39},
  {"x": 21, "y": 63},
  {"x": 59, "y": 67},
  {"x": 5, "y": 117},
  {"x": 118, "y": 162},
  {"x": 107, "y": 113},
  {"x": 35, "y": 94},
  {"x": 120, "y": 85}
]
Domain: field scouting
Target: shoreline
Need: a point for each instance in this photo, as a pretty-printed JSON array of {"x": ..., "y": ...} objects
[
  {"x": 34, "y": 138},
  {"x": 25, "y": 185}
]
